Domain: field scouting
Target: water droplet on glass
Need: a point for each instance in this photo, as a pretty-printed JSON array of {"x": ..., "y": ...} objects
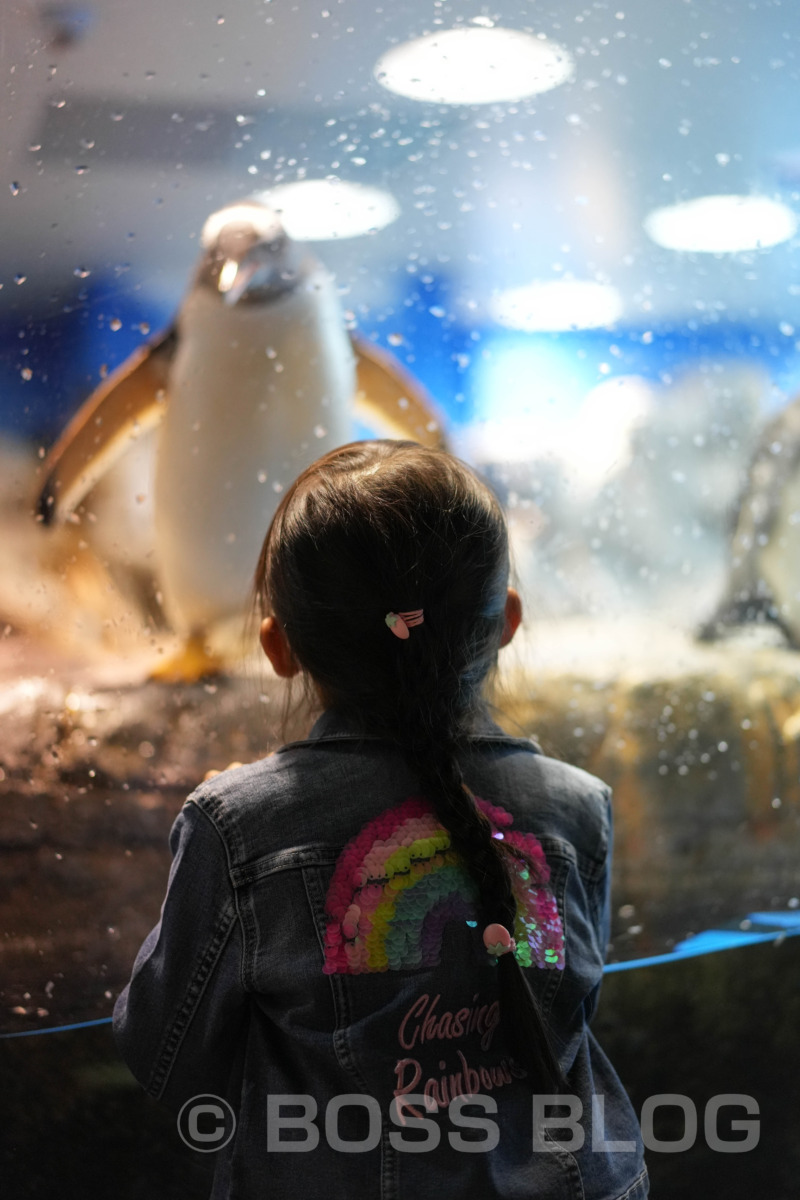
[
  {"x": 262, "y": 477},
  {"x": 87, "y": 143},
  {"x": 82, "y": 272},
  {"x": 14, "y": 188},
  {"x": 116, "y": 116},
  {"x": 19, "y": 277},
  {"x": 81, "y": 169},
  {"x": 115, "y": 324},
  {"x": 395, "y": 339},
  {"x": 320, "y": 431},
  {"x": 26, "y": 373}
]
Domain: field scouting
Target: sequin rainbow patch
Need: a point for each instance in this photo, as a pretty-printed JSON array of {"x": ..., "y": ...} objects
[{"x": 398, "y": 883}]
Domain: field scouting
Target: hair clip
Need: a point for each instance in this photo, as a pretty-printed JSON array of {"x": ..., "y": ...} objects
[
  {"x": 498, "y": 940},
  {"x": 400, "y": 623}
]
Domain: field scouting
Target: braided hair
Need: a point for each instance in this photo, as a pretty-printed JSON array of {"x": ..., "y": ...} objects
[{"x": 383, "y": 526}]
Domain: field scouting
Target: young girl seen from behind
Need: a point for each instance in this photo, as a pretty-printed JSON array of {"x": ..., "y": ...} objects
[{"x": 381, "y": 946}]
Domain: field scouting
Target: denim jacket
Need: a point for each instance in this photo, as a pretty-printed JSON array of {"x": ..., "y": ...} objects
[{"x": 319, "y": 959}]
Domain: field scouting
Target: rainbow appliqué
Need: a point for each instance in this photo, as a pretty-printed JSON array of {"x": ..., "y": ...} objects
[{"x": 398, "y": 883}]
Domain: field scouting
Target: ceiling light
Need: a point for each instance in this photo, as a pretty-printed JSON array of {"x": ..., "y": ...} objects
[
  {"x": 474, "y": 66},
  {"x": 316, "y": 210},
  {"x": 557, "y": 304},
  {"x": 721, "y": 224}
]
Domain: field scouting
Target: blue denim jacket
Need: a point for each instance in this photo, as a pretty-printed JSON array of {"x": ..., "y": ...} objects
[{"x": 249, "y": 989}]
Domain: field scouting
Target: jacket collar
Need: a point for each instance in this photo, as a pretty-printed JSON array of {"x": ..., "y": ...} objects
[{"x": 335, "y": 726}]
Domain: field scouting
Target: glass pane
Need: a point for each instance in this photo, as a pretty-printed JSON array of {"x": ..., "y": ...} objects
[{"x": 580, "y": 244}]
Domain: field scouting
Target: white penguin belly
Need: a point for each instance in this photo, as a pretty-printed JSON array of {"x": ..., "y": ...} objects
[{"x": 257, "y": 392}]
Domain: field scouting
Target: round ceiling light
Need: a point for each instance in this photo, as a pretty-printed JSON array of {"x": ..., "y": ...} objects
[
  {"x": 317, "y": 210},
  {"x": 474, "y": 66},
  {"x": 721, "y": 224},
  {"x": 557, "y": 304}
]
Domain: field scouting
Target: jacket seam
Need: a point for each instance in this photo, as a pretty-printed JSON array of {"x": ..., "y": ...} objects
[
  {"x": 555, "y": 847},
  {"x": 290, "y": 859},
  {"x": 570, "y": 1163},
  {"x": 630, "y": 1192},
  {"x": 243, "y": 972},
  {"x": 224, "y": 823},
  {"x": 529, "y": 744},
  {"x": 324, "y": 855},
  {"x": 194, "y": 993}
]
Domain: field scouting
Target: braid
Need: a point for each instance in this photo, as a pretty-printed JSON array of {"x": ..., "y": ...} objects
[{"x": 432, "y": 747}]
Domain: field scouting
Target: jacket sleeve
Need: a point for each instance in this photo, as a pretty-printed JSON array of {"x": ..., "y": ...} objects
[{"x": 181, "y": 1021}]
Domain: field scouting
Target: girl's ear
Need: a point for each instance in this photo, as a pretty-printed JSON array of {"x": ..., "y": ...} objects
[
  {"x": 277, "y": 650},
  {"x": 513, "y": 616}
]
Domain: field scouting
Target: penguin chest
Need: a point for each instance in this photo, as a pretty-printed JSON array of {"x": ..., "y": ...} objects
[{"x": 257, "y": 392}]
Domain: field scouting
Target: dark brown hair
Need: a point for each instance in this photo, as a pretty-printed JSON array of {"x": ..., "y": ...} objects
[{"x": 382, "y": 526}]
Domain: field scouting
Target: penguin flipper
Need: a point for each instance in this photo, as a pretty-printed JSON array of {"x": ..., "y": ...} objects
[
  {"x": 129, "y": 402},
  {"x": 391, "y": 396}
]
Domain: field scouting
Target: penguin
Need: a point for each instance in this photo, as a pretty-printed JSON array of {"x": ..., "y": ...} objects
[
  {"x": 252, "y": 382},
  {"x": 764, "y": 575}
]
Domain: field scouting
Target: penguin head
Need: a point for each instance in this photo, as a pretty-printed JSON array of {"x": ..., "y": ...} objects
[{"x": 248, "y": 256}]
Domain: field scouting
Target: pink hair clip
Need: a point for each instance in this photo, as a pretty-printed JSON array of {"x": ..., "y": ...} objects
[
  {"x": 400, "y": 623},
  {"x": 498, "y": 940}
]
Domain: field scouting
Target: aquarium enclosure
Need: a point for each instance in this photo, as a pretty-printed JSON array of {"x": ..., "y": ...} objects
[{"x": 560, "y": 239}]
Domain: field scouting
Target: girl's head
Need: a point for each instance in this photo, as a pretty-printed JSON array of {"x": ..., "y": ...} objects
[{"x": 379, "y": 527}]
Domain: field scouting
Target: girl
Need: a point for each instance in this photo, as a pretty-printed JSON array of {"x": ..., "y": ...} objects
[{"x": 380, "y": 947}]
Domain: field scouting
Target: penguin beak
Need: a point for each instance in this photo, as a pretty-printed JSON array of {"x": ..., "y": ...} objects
[{"x": 235, "y": 278}]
